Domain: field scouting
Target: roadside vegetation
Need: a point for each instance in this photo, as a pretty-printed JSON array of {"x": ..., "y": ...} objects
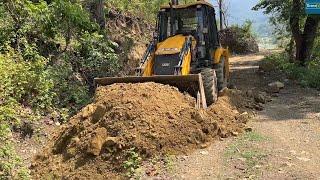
[
  {"x": 240, "y": 39},
  {"x": 307, "y": 76},
  {"x": 50, "y": 51},
  {"x": 298, "y": 34}
]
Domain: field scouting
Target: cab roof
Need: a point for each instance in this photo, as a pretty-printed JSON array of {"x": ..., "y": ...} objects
[{"x": 182, "y": 6}]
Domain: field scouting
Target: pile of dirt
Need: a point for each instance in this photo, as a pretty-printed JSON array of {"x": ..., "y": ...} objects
[
  {"x": 150, "y": 119},
  {"x": 238, "y": 40}
]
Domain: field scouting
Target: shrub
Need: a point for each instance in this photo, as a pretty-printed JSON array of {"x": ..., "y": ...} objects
[
  {"x": 308, "y": 76},
  {"x": 239, "y": 39},
  {"x": 11, "y": 166},
  {"x": 96, "y": 56},
  {"x": 25, "y": 82}
]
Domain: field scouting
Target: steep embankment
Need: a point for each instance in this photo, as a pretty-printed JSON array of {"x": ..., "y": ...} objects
[{"x": 131, "y": 33}]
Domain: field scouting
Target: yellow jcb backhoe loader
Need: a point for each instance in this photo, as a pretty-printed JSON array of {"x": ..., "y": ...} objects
[{"x": 184, "y": 53}]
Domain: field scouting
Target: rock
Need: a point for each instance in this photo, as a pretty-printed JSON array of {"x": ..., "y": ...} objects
[
  {"x": 222, "y": 131},
  {"x": 259, "y": 98},
  {"x": 198, "y": 117},
  {"x": 258, "y": 107},
  {"x": 232, "y": 86},
  {"x": 275, "y": 87},
  {"x": 98, "y": 113},
  {"x": 234, "y": 133},
  {"x": 97, "y": 141},
  {"x": 205, "y": 145},
  {"x": 248, "y": 129},
  {"x": 249, "y": 93},
  {"x": 111, "y": 141},
  {"x": 57, "y": 124},
  {"x": 88, "y": 111},
  {"x": 204, "y": 152},
  {"x": 279, "y": 84},
  {"x": 243, "y": 117},
  {"x": 303, "y": 159}
]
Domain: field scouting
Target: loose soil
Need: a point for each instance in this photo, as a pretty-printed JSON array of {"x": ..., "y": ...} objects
[{"x": 148, "y": 119}]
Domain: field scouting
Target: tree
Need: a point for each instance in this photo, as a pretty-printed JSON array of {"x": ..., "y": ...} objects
[
  {"x": 98, "y": 13},
  {"x": 224, "y": 13},
  {"x": 302, "y": 27}
]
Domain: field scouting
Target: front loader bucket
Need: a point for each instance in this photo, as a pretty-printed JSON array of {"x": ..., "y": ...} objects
[{"x": 190, "y": 83}]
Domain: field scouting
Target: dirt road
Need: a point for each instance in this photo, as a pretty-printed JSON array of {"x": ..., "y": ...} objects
[{"x": 284, "y": 142}]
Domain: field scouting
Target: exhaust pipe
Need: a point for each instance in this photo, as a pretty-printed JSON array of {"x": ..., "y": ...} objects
[{"x": 175, "y": 2}]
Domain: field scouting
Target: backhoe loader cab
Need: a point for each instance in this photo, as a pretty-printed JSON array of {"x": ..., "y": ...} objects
[
  {"x": 196, "y": 20},
  {"x": 185, "y": 52}
]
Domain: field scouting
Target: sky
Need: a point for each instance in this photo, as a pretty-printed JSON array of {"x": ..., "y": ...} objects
[{"x": 240, "y": 11}]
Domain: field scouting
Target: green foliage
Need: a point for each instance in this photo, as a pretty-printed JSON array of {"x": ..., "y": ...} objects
[
  {"x": 25, "y": 82},
  {"x": 11, "y": 166},
  {"x": 55, "y": 43},
  {"x": 240, "y": 39},
  {"x": 71, "y": 90},
  {"x": 96, "y": 56},
  {"x": 308, "y": 76},
  {"x": 141, "y": 8},
  {"x": 245, "y": 30},
  {"x": 50, "y": 51},
  {"x": 133, "y": 162},
  {"x": 316, "y": 52}
]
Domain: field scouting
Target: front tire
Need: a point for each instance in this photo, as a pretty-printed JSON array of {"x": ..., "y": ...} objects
[
  {"x": 209, "y": 79},
  {"x": 221, "y": 74}
]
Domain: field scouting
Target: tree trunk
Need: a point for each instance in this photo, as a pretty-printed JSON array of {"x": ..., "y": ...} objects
[
  {"x": 304, "y": 40},
  {"x": 308, "y": 38},
  {"x": 290, "y": 50},
  {"x": 97, "y": 10},
  {"x": 295, "y": 26}
]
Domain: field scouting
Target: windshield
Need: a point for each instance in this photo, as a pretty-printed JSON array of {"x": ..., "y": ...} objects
[{"x": 179, "y": 21}]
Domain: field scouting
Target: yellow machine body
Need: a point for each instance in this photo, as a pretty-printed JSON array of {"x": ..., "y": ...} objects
[{"x": 178, "y": 53}]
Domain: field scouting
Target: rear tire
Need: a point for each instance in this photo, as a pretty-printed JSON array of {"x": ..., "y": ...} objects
[
  {"x": 220, "y": 71},
  {"x": 209, "y": 79}
]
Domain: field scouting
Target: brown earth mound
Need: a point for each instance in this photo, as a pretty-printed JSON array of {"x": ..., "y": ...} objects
[{"x": 149, "y": 119}]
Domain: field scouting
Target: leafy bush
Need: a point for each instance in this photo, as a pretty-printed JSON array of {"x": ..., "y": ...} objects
[
  {"x": 239, "y": 39},
  {"x": 50, "y": 51},
  {"x": 71, "y": 90},
  {"x": 308, "y": 76},
  {"x": 25, "y": 82},
  {"x": 59, "y": 42},
  {"x": 11, "y": 166},
  {"x": 141, "y": 8},
  {"x": 96, "y": 56}
]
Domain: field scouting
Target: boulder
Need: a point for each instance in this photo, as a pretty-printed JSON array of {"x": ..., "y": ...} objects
[{"x": 275, "y": 87}]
